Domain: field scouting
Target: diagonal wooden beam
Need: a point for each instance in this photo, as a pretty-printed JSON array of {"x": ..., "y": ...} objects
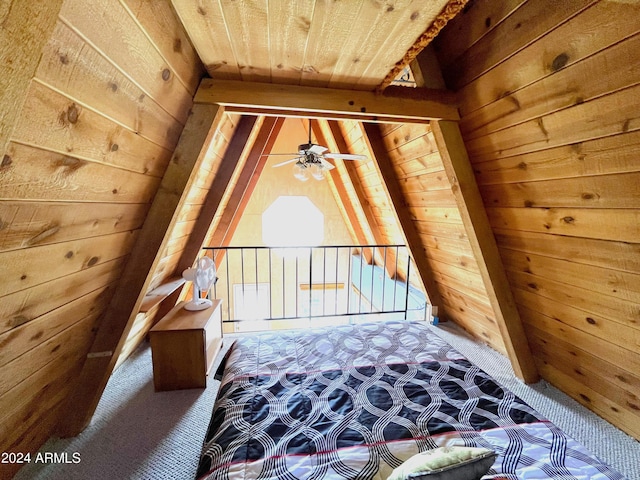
[
  {"x": 413, "y": 105},
  {"x": 229, "y": 164},
  {"x": 242, "y": 138},
  {"x": 345, "y": 202},
  {"x": 119, "y": 316},
  {"x": 379, "y": 238},
  {"x": 393, "y": 191},
  {"x": 474, "y": 217},
  {"x": 247, "y": 181}
]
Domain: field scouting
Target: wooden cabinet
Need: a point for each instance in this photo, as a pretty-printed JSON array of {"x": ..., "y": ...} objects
[{"x": 184, "y": 345}]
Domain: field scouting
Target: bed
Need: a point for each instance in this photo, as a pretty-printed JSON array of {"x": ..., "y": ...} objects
[{"x": 355, "y": 401}]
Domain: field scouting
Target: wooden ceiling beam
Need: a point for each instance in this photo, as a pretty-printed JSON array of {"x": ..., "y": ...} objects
[
  {"x": 417, "y": 106},
  {"x": 273, "y": 112},
  {"x": 247, "y": 181},
  {"x": 474, "y": 217},
  {"x": 393, "y": 191},
  {"x": 119, "y": 316}
]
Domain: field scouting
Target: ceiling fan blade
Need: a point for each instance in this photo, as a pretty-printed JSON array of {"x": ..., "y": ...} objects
[
  {"x": 326, "y": 165},
  {"x": 345, "y": 156},
  {"x": 319, "y": 149},
  {"x": 287, "y": 162},
  {"x": 278, "y": 154}
]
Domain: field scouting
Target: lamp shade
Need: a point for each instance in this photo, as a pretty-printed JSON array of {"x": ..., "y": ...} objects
[
  {"x": 316, "y": 171},
  {"x": 301, "y": 172}
]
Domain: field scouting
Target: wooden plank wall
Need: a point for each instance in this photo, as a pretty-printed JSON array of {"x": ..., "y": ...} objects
[
  {"x": 375, "y": 196},
  {"x": 101, "y": 118},
  {"x": 167, "y": 266},
  {"x": 428, "y": 196},
  {"x": 550, "y": 106}
]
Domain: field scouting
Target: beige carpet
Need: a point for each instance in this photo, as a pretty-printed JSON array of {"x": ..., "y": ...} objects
[{"x": 140, "y": 434}]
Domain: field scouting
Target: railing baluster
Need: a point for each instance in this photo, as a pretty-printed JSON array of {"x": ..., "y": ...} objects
[
  {"x": 335, "y": 303},
  {"x": 384, "y": 277},
  {"x": 242, "y": 273},
  {"x": 373, "y": 271},
  {"x": 284, "y": 304},
  {"x": 215, "y": 288},
  {"x": 276, "y": 312},
  {"x": 297, "y": 288},
  {"x": 324, "y": 278},
  {"x": 395, "y": 284},
  {"x": 226, "y": 256},
  {"x": 310, "y": 281},
  {"x": 360, "y": 282},
  {"x": 349, "y": 281},
  {"x": 255, "y": 259},
  {"x": 406, "y": 298},
  {"x": 270, "y": 289}
]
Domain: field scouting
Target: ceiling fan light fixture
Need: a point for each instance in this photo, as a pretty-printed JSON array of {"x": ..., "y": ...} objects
[
  {"x": 311, "y": 160},
  {"x": 317, "y": 171},
  {"x": 301, "y": 172}
]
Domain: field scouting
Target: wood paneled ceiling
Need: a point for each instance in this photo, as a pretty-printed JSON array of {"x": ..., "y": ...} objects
[{"x": 350, "y": 44}]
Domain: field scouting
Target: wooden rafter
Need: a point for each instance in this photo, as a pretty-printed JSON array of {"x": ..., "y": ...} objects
[
  {"x": 341, "y": 195},
  {"x": 455, "y": 159},
  {"x": 228, "y": 165},
  {"x": 120, "y": 314},
  {"x": 474, "y": 217},
  {"x": 231, "y": 158},
  {"x": 419, "y": 106},
  {"x": 393, "y": 191},
  {"x": 386, "y": 257},
  {"x": 247, "y": 181}
]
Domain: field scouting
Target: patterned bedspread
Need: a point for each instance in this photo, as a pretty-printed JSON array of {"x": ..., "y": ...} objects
[{"x": 354, "y": 402}]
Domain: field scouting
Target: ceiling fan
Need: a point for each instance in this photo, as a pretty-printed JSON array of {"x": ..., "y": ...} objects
[{"x": 311, "y": 160}]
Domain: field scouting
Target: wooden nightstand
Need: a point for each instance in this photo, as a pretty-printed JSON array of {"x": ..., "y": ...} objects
[{"x": 184, "y": 345}]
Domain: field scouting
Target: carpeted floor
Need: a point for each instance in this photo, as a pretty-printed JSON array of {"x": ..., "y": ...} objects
[{"x": 139, "y": 434}]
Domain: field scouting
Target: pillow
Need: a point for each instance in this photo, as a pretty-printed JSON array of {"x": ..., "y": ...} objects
[{"x": 444, "y": 463}]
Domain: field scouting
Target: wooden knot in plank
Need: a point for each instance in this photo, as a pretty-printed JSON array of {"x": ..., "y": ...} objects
[
  {"x": 559, "y": 62},
  {"x": 72, "y": 113}
]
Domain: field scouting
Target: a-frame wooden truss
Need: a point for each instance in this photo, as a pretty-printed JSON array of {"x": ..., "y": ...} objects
[{"x": 212, "y": 100}]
